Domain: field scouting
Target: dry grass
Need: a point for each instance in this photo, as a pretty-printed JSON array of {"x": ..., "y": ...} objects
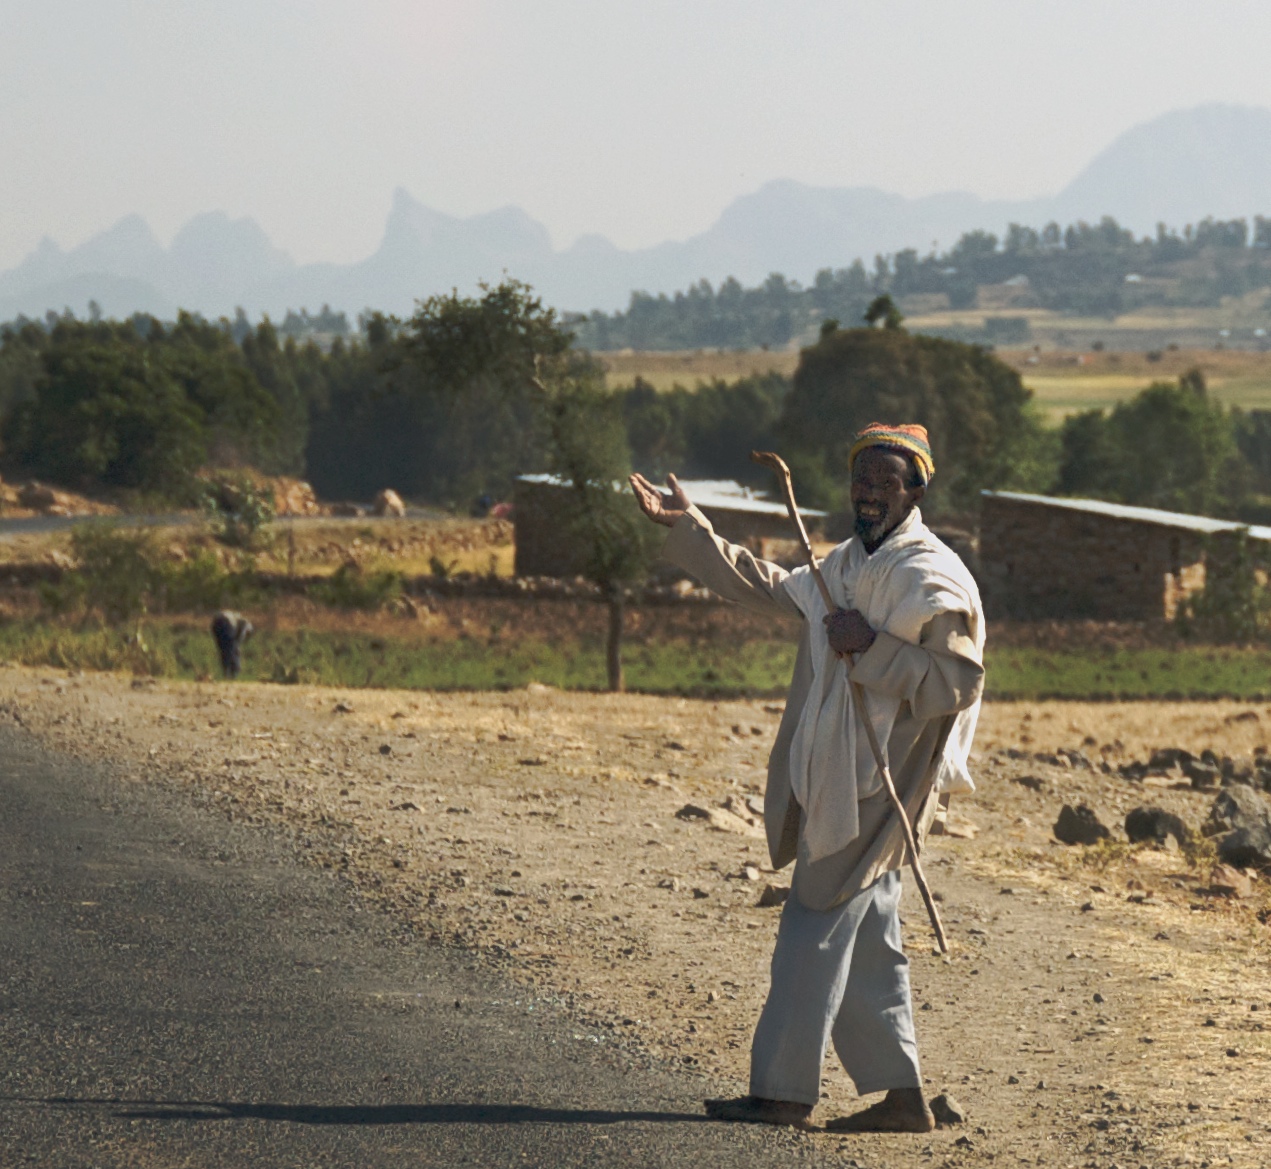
[
  {"x": 1066, "y": 382},
  {"x": 666, "y": 370}
]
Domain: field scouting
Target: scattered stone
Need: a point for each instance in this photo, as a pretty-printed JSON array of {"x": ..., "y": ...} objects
[
  {"x": 1034, "y": 783},
  {"x": 693, "y": 812},
  {"x": 959, "y": 828},
  {"x": 1246, "y": 847},
  {"x": 721, "y": 819},
  {"x": 1079, "y": 825},
  {"x": 1076, "y": 759},
  {"x": 1167, "y": 758},
  {"x": 1155, "y": 824},
  {"x": 1012, "y": 1079},
  {"x": 1202, "y": 775},
  {"x": 532, "y": 761},
  {"x": 1237, "y": 807},
  {"x": 700, "y": 894},
  {"x": 342, "y": 707},
  {"x": 742, "y": 810},
  {"x": 389, "y": 503},
  {"x": 947, "y": 1110},
  {"x": 772, "y": 895},
  {"x": 1240, "y": 818},
  {"x": 671, "y": 883},
  {"x": 1227, "y": 881},
  {"x": 750, "y": 872},
  {"x": 386, "y": 749},
  {"x": 294, "y": 497}
]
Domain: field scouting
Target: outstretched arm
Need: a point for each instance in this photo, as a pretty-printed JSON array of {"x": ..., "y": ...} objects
[{"x": 730, "y": 570}]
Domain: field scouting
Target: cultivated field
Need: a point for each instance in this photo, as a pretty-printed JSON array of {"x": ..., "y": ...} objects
[
  {"x": 1065, "y": 380},
  {"x": 666, "y": 370}
]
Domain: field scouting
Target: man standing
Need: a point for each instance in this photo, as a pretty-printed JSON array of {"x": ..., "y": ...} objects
[{"x": 909, "y": 628}]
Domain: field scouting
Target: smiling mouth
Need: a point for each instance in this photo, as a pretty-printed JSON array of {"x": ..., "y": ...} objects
[{"x": 868, "y": 511}]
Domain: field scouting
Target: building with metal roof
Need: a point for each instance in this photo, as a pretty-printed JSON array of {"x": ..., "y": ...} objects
[{"x": 1042, "y": 556}]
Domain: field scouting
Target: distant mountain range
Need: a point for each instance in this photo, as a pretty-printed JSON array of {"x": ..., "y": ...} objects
[{"x": 1214, "y": 160}]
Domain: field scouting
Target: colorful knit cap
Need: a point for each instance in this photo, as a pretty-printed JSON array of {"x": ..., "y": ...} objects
[{"x": 908, "y": 440}]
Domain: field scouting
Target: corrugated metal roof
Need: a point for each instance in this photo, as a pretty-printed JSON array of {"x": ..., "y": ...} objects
[
  {"x": 1205, "y": 525},
  {"x": 719, "y": 494}
]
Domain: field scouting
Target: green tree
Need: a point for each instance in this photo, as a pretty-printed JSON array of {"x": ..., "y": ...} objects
[
  {"x": 104, "y": 414},
  {"x": 985, "y": 432},
  {"x": 520, "y": 397},
  {"x": 1169, "y": 447},
  {"x": 587, "y": 450},
  {"x": 134, "y": 405}
]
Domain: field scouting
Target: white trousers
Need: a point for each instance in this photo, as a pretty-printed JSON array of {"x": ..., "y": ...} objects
[{"x": 839, "y": 975}]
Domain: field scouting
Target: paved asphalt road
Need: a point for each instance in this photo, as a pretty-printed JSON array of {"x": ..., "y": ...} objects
[{"x": 175, "y": 990}]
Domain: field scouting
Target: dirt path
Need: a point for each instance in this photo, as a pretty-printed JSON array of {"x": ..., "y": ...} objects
[{"x": 1097, "y": 1009}]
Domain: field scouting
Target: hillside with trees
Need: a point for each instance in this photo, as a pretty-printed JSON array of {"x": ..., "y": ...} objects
[{"x": 1084, "y": 269}]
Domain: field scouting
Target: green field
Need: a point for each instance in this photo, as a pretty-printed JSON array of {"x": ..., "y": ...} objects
[{"x": 758, "y": 668}]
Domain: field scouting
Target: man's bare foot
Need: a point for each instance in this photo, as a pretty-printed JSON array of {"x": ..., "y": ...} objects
[
  {"x": 901, "y": 1110},
  {"x": 757, "y": 1110}
]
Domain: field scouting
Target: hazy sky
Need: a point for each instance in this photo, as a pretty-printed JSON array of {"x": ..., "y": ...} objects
[{"x": 640, "y": 121}]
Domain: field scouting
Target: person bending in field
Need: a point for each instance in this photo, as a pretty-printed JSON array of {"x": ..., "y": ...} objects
[
  {"x": 229, "y": 631},
  {"x": 909, "y": 628}
]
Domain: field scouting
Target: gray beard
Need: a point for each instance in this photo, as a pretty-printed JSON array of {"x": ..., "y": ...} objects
[{"x": 870, "y": 531}]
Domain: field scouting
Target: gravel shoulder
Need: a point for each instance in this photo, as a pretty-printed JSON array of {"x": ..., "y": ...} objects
[{"x": 1097, "y": 1007}]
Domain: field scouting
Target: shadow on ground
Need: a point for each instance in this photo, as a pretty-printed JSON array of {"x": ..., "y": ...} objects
[{"x": 360, "y": 1114}]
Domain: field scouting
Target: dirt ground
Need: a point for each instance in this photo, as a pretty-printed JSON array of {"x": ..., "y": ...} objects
[{"x": 1100, "y": 1007}]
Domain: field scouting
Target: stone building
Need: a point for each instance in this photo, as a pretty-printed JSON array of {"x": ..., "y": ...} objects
[
  {"x": 1047, "y": 557},
  {"x": 735, "y": 512}
]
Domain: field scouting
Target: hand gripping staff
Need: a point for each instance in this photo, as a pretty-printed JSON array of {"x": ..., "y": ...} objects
[{"x": 776, "y": 463}]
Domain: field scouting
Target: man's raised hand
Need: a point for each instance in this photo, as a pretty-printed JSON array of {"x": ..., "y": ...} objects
[{"x": 661, "y": 508}]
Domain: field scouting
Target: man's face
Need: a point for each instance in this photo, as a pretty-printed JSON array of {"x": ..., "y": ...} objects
[{"x": 884, "y": 491}]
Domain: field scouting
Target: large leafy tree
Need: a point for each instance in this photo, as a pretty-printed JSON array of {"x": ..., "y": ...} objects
[
  {"x": 983, "y": 427},
  {"x": 503, "y": 372}
]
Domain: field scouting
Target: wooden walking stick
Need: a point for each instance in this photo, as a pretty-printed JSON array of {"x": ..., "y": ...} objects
[{"x": 776, "y": 463}]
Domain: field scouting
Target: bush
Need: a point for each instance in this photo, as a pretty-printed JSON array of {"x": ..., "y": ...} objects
[
  {"x": 237, "y": 508},
  {"x": 351, "y": 588},
  {"x": 116, "y": 574},
  {"x": 1235, "y": 604},
  {"x": 122, "y": 574}
]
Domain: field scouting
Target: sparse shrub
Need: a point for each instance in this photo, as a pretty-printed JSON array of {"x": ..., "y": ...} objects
[
  {"x": 237, "y": 509},
  {"x": 351, "y": 588},
  {"x": 1235, "y": 604},
  {"x": 115, "y": 575}
]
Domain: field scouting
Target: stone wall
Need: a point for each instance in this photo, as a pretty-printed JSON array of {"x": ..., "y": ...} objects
[{"x": 1038, "y": 560}]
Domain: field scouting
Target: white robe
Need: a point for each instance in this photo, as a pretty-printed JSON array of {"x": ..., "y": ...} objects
[{"x": 910, "y": 579}]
